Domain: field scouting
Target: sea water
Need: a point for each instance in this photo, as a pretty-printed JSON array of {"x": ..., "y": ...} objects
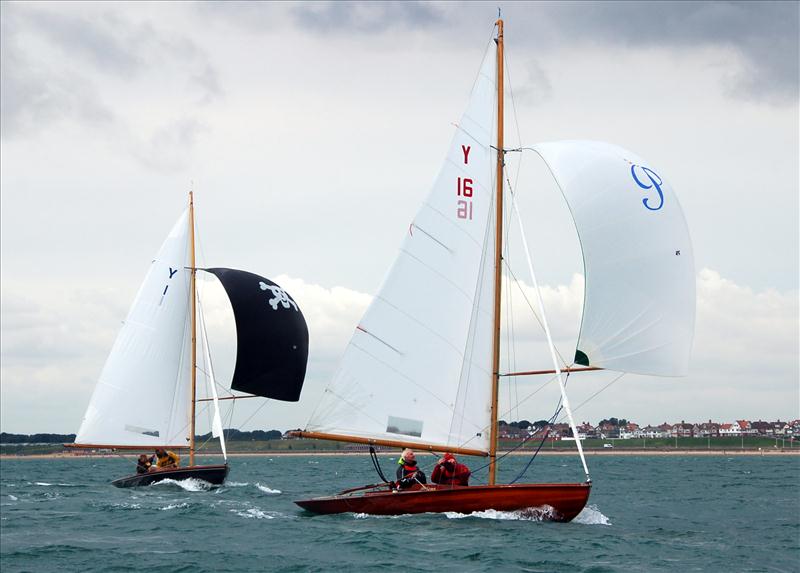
[{"x": 646, "y": 513}]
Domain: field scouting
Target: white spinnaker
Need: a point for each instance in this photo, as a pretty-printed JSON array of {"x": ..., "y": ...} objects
[
  {"x": 142, "y": 396},
  {"x": 639, "y": 304},
  {"x": 418, "y": 368}
]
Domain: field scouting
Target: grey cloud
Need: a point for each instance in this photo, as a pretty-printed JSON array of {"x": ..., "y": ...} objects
[
  {"x": 33, "y": 96},
  {"x": 47, "y": 57},
  {"x": 256, "y": 17},
  {"x": 335, "y": 18},
  {"x": 534, "y": 86},
  {"x": 207, "y": 80},
  {"x": 102, "y": 41},
  {"x": 364, "y": 17},
  {"x": 764, "y": 34},
  {"x": 170, "y": 146}
]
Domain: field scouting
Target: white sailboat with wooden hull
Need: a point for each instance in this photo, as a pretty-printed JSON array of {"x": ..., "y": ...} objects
[
  {"x": 423, "y": 368},
  {"x": 146, "y": 397}
]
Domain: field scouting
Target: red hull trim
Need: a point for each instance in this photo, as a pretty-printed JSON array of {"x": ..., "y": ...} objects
[{"x": 558, "y": 502}]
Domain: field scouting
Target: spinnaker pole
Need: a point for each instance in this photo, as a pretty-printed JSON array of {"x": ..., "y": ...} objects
[{"x": 498, "y": 259}]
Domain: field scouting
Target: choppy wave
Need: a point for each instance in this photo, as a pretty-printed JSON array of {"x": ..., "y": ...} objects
[
  {"x": 255, "y": 513},
  {"x": 13, "y": 497},
  {"x": 125, "y": 506},
  {"x": 46, "y": 484},
  {"x": 268, "y": 490},
  {"x": 188, "y": 484},
  {"x": 590, "y": 515},
  {"x": 236, "y": 483},
  {"x": 174, "y": 506}
]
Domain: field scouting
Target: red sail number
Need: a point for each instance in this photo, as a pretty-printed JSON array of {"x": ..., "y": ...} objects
[{"x": 464, "y": 189}]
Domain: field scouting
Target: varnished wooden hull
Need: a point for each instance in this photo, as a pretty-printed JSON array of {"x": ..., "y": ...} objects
[
  {"x": 212, "y": 474},
  {"x": 556, "y": 502}
]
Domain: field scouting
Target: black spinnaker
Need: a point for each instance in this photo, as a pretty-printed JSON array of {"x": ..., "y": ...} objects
[{"x": 271, "y": 336}]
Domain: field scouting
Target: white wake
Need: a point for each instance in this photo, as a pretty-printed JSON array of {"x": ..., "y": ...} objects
[
  {"x": 268, "y": 490},
  {"x": 188, "y": 484}
]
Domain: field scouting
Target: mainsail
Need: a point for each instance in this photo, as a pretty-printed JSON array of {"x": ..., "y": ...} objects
[
  {"x": 418, "y": 368},
  {"x": 271, "y": 336},
  {"x": 639, "y": 304},
  {"x": 142, "y": 396}
]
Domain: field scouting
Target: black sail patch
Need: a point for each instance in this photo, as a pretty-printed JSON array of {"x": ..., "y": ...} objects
[{"x": 271, "y": 336}]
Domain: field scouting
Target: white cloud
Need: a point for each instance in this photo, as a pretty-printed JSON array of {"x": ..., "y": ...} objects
[{"x": 745, "y": 361}]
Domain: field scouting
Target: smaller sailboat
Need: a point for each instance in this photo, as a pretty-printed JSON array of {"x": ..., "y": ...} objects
[{"x": 146, "y": 397}]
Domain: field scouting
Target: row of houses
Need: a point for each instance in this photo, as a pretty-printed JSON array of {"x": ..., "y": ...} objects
[{"x": 683, "y": 429}]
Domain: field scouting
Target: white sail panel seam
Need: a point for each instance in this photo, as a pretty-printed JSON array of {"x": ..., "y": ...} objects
[
  {"x": 459, "y": 351},
  {"x": 435, "y": 271},
  {"x": 472, "y": 137},
  {"x": 432, "y": 238},
  {"x": 453, "y": 225},
  {"x": 366, "y": 352},
  {"x": 356, "y": 408}
]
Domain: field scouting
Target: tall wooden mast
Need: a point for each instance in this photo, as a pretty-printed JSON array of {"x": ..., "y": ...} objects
[
  {"x": 498, "y": 258},
  {"x": 193, "y": 295}
]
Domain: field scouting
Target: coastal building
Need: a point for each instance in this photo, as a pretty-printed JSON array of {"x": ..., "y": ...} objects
[
  {"x": 654, "y": 432},
  {"x": 683, "y": 430},
  {"x": 708, "y": 430},
  {"x": 762, "y": 428}
]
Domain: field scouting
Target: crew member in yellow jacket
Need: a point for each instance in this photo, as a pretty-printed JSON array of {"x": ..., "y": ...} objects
[{"x": 165, "y": 460}]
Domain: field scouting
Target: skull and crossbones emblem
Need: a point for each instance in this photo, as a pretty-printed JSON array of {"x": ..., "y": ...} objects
[{"x": 280, "y": 296}]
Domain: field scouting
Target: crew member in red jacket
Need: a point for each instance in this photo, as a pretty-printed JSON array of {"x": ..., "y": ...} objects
[{"x": 449, "y": 472}]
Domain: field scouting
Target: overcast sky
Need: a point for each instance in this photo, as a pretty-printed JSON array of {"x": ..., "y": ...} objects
[{"x": 310, "y": 134}]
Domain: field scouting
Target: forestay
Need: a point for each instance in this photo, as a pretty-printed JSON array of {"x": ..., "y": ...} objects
[
  {"x": 418, "y": 367},
  {"x": 639, "y": 304},
  {"x": 142, "y": 396}
]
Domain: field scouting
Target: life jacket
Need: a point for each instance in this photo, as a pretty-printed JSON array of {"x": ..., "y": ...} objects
[
  {"x": 167, "y": 459},
  {"x": 408, "y": 469}
]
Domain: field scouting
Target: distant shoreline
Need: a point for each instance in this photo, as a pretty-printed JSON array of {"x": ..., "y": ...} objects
[{"x": 283, "y": 453}]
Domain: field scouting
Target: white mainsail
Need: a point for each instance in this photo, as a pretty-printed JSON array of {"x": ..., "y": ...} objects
[
  {"x": 639, "y": 304},
  {"x": 142, "y": 396},
  {"x": 418, "y": 368}
]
